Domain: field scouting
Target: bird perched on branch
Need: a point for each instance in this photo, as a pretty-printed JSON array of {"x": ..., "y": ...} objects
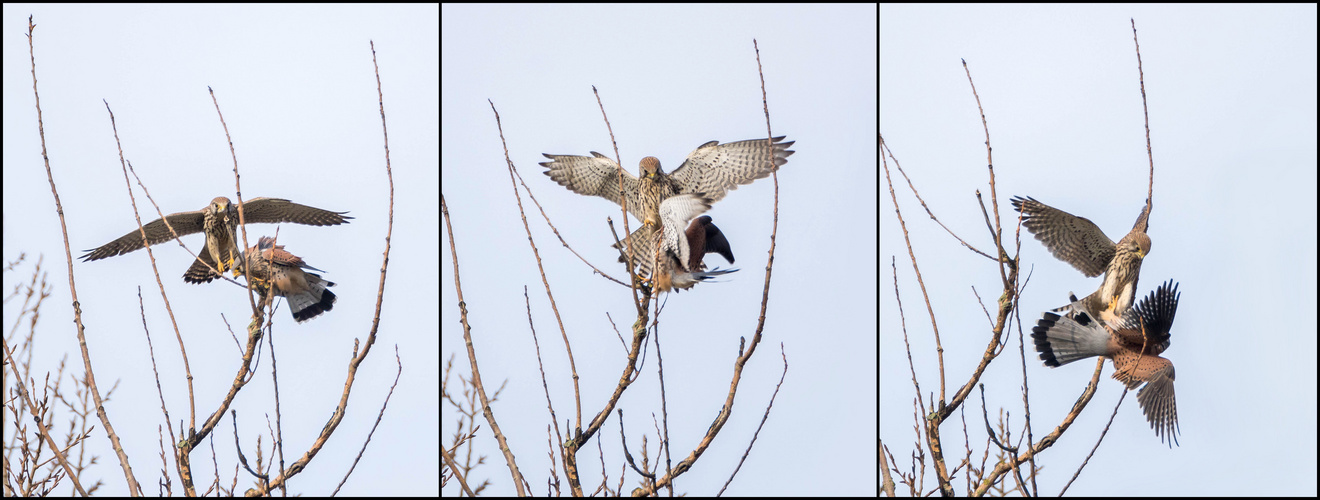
[
  {"x": 683, "y": 240},
  {"x": 270, "y": 267},
  {"x": 1132, "y": 343}
]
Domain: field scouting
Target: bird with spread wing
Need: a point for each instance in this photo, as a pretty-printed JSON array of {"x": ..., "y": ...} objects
[
  {"x": 709, "y": 172},
  {"x": 1080, "y": 243},
  {"x": 1132, "y": 343},
  {"x": 219, "y": 220}
]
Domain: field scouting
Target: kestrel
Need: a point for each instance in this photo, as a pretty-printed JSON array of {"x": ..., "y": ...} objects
[
  {"x": 711, "y": 171},
  {"x": 679, "y": 260},
  {"x": 270, "y": 266},
  {"x": 1079, "y": 242},
  {"x": 1132, "y": 343},
  {"x": 219, "y": 221},
  {"x": 703, "y": 238}
]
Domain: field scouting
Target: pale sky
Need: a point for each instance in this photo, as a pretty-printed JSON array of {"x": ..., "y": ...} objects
[
  {"x": 671, "y": 77},
  {"x": 297, "y": 89},
  {"x": 1231, "y": 97}
]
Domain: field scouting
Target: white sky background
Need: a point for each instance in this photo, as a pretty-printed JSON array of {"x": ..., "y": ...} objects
[
  {"x": 671, "y": 78},
  {"x": 1232, "y": 105},
  {"x": 297, "y": 90}
]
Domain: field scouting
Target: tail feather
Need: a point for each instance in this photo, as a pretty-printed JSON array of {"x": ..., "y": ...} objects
[
  {"x": 1061, "y": 340},
  {"x": 686, "y": 280}
]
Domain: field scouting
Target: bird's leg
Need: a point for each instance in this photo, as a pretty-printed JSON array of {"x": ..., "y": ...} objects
[{"x": 1110, "y": 312}]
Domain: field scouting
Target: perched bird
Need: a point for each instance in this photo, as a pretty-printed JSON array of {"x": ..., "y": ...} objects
[
  {"x": 269, "y": 267},
  {"x": 219, "y": 221},
  {"x": 677, "y": 252},
  {"x": 1079, "y": 242},
  {"x": 711, "y": 171},
  {"x": 1133, "y": 344}
]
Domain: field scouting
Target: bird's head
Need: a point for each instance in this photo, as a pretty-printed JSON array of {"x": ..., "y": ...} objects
[
  {"x": 220, "y": 204},
  {"x": 650, "y": 167},
  {"x": 1143, "y": 244}
]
